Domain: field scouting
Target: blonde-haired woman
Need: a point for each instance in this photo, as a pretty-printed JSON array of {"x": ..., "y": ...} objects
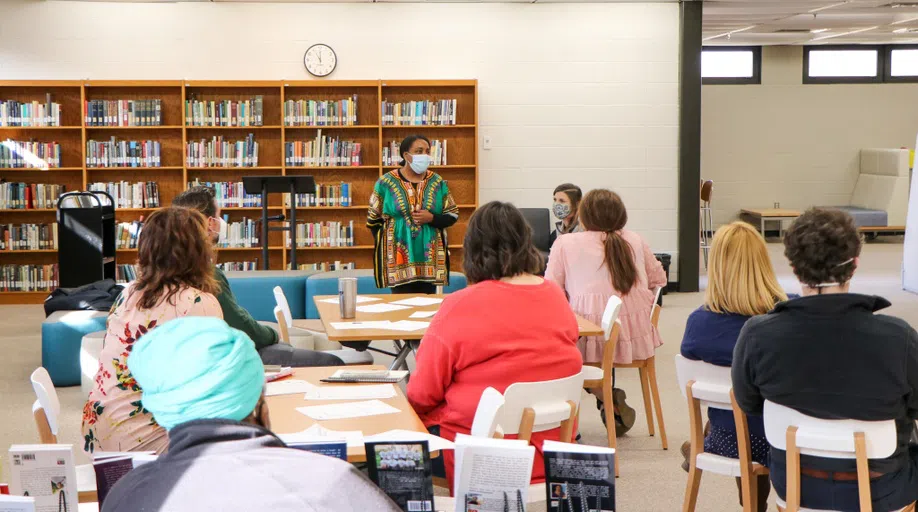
[{"x": 741, "y": 284}]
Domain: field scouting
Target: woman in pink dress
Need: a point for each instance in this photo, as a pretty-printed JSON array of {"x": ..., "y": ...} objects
[
  {"x": 605, "y": 260},
  {"x": 175, "y": 279}
]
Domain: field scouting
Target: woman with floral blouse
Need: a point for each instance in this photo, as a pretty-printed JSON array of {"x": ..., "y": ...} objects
[{"x": 175, "y": 279}]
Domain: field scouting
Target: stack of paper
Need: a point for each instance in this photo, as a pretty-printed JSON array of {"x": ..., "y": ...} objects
[
  {"x": 423, "y": 314},
  {"x": 288, "y": 387},
  {"x": 347, "y": 410},
  {"x": 351, "y": 392}
]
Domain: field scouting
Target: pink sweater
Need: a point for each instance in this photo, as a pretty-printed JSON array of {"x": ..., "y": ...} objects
[{"x": 577, "y": 264}]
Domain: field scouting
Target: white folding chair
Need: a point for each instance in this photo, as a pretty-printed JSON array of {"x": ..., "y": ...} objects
[
  {"x": 539, "y": 406},
  {"x": 797, "y": 433},
  {"x": 704, "y": 384},
  {"x": 288, "y": 332},
  {"x": 489, "y": 406},
  {"x": 47, "y": 411},
  {"x": 600, "y": 376}
]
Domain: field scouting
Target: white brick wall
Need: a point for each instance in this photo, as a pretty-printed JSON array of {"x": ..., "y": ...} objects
[{"x": 586, "y": 93}]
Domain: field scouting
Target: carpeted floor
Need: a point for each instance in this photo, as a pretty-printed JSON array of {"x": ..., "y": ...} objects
[{"x": 651, "y": 479}]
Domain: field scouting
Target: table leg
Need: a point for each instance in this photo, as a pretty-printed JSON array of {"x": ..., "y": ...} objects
[{"x": 400, "y": 362}]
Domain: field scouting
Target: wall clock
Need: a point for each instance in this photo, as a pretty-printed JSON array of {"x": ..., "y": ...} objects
[{"x": 320, "y": 60}]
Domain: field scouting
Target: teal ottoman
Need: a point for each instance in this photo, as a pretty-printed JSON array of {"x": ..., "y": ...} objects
[
  {"x": 457, "y": 281},
  {"x": 61, "y": 337},
  {"x": 254, "y": 291}
]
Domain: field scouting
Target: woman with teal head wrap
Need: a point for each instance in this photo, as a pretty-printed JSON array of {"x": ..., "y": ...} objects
[{"x": 196, "y": 368}]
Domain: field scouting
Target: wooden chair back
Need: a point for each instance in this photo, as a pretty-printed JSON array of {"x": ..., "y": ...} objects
[
  {"x": 47, "y": 408},
  {"x": 797, "y": 433},
  {"x": 707, "y": 190},
  {"x": 282, "y": 328},
  {"x": 539, "y": 406}
]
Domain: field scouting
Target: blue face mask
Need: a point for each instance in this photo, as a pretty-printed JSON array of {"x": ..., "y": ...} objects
[{"x": 420, "y": 163}]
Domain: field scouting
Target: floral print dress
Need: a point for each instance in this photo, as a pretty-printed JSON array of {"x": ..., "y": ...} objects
[{"x": 114, "y": 418}]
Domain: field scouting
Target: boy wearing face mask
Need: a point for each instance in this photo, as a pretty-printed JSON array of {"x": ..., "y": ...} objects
[
  {"x": 410, "y": 210},
  {"x": 567, "y": 198}
]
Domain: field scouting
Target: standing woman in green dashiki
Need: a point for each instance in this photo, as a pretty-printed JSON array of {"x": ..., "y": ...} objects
[{"x": 410, "y": 209}]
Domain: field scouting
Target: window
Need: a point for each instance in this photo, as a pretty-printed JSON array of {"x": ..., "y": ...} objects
[
  {"x": 731, "y": 65},
  {"x": 842, "y": 64},
  {"x": 901, "y": 64}
]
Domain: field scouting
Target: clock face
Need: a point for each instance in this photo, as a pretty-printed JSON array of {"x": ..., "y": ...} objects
[{"x": 320, "y": 60}]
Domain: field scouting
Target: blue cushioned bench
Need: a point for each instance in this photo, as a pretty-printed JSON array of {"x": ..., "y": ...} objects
[
  {"x": 254, "y": 291},
  {"x": 61, "y": 336}
]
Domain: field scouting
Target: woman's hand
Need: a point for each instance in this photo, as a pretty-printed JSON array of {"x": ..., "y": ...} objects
[{"x": 422, "y": 217}]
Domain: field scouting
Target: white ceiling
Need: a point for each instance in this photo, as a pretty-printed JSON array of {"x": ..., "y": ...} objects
[{"x": 762, "y": 22}]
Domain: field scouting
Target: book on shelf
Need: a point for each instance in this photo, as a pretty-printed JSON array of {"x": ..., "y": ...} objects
[
  {"x": 326, "y": 195},
  {"x": 30, "y": 114},
  {"x": 579, "y": 478},
  {"x": 125, "y": 273},
  {"x": 321, "y": 112},
  {"x": 123, "y": 112},
  {"x": 28, "y": 278},
  {"x": 492, "y": 475},
  {"x": 323, "y": 234},
  {"x": 46, "y": 473},
  {"x": 20, "y": 154},
  {"x": 218, "y": 152},
  {"x": 229, "y": 194},
  {"x": 323, "y": 151},
  {"x": 325, "y": 266},
  {"x": 237, "y": 266},
  {"x": 127, "y": 234},
  {"x": 391, "y": 156},
  {"x": 403, "y": 470},
  {"x": 123, "y": 153},
  {"x": 112, "y": 466},
  {"x": 143, "y": 194},
  {"x": 28, "y": 237},
  {"x": 419, "y": 113},
  {"x": 240, "y": 234},
  {"x": 209, "y": 113},
  {"x": 29, "y": 196}
]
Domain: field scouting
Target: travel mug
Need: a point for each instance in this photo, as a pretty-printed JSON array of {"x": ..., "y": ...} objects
[{"x": 347, "y": 296}]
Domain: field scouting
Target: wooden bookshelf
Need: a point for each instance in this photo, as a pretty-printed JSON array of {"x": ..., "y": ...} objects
[{"x": 174, "y": 174}]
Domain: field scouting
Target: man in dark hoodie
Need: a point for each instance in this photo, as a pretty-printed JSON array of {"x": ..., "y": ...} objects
[
  {"x": 828, "y": 355},
  {"x": 203, "y": 381}
]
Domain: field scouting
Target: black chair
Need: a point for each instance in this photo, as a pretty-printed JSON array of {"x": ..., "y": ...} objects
[{"x": 539, "y": 220}]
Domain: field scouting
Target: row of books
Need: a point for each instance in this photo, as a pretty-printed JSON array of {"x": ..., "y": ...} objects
[
  {"x": 29, "y": 196},
  {"x": 244, "y": 233},
  {"x": 248, "y": 112},
  {"x": 323, "y": 234},
  {"x": 30, "y": 114},
  {"x": 28, "y": 278},
  {"x": 123, "y": 112},
  {"x": 28, "y": 237},
  {"x": 143, "y": 194},
  {"x": 127, "y": 234},
  {"x": 321, "y": 112},
  {"x": 230, "y": 194},
  {"x": 237, "y": 266},
  {"x": 123, "y": 153},
  {"x": 125, "y": 273},
  {"x": 325, "y": 266},
  {"x": 19, "y": 154},
  {"x": 326, "y": 195},
  {"x": 419, "y": 113},
  {"x": 391, "y": 156},
  {"x": 218, "y": 152},
  {"x": 323, "y": 151}
]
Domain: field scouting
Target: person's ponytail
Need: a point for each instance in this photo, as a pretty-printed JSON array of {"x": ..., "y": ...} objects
[
  {"x": 603, "y": 210},
  {"x": 620, "y": 262}
]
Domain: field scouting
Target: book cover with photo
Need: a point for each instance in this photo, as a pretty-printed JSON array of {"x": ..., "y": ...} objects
[
  {"x": 403, "y": 471},
  {"x": 579, "y": 478},
  {"x": 46, "y": 473}
]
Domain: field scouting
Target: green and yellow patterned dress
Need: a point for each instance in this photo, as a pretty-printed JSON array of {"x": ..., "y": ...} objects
[{"x": 406, "y": 252}]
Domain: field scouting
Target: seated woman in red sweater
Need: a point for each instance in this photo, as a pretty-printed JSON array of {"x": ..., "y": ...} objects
[{"x": 508, "y": 326}]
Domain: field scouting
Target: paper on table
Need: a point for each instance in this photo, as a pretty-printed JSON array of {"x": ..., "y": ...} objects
[
  {"x": 418, "y": 301},
  {"x": 347, "y": 410},
  {"x": 434, "y": 443},
  {"x": 360, "y": 299},
  {"x": 351, "y": 392},
  {"x": 379, "y": 308},
  {"x": 407, "y": 325},
  {"x": 318, "y": 433},
  {"x": 342, "y": 326},
  {"x": 288, "y": 387},
  {"x": 422, "y": 314}
]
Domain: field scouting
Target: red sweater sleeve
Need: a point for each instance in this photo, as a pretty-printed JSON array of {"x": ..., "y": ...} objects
[{"x": 433, "y": 373}]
